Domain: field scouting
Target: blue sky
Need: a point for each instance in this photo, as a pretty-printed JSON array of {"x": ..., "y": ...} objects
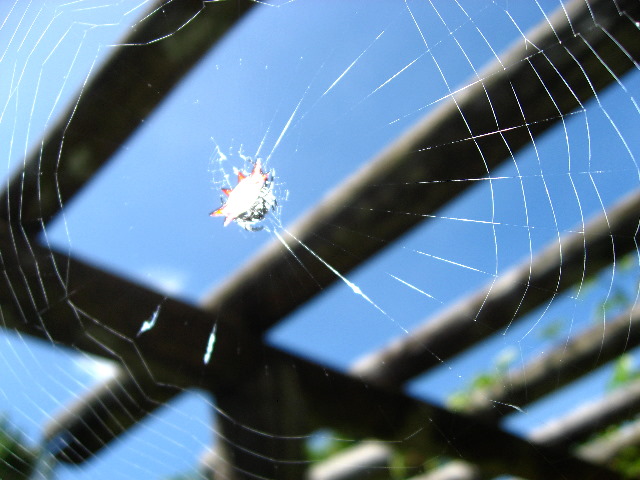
[{"x": 356, "y": 78}]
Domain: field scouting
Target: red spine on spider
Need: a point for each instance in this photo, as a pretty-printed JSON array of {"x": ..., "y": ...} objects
[{"x": 249, "y": 202}]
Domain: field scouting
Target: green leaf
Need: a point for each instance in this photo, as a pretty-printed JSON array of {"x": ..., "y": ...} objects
[{"x": 624, "y": 371}]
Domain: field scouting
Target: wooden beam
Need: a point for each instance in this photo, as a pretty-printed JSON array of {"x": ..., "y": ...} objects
[
  {"x": 66, "y": 301},
  {"x": 360, "y": 217},
  {"x": 75, "y": 310},
  {"x": 359, "y": 410},
  {"x": 87, "y": 425},
  {"x": 579, "y": 356},
  {"x": 130, "y": 84},
  {"x": 560, "y": 265},
  {"x": 331, "y": 399},
  {"x": 605, "y": 449},
  {"x": 623, "y": 404},
  {"x": 261, "y": 425}
]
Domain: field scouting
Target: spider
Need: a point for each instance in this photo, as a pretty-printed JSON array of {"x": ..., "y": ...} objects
[{"x": 249, "y": 201}]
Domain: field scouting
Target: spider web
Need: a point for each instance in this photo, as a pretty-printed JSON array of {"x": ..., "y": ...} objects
[{"x": 403, "y": 226}]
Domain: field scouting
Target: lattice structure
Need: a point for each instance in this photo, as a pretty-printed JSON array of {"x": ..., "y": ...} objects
[{"x": 299, "y": 396}]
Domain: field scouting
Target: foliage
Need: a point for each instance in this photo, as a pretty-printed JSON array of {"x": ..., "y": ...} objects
[
  {"x": 483, "y": 381},
  {"x": 624, "y": 371},
  {"x": 622, "y": 292},
  {"x": 628, "y": 461},
  {"x": 17, "y": 461},
  {"x": 401, "y": 464}
]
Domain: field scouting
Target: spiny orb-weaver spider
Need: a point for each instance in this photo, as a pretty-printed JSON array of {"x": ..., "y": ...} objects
[{"x": 249, "y": 201}]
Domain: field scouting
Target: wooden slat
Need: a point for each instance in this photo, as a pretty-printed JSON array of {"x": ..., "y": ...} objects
[
  {"x": 516, "y": 293},
  {"x": 87, "y": 425},
  {"x": 359, "y": 410},
  {"x": 171, "y": 352},
  {"x": 263, "y": 421},
  {"x": 65, "y": 301},
  {"x": 550, "y": 371},
  {"x": 623, "y": 404},
  {"x": 366, "y": 205},
  {"x": 129, "y": 85},
  {"x": 95, "y": 327},
  {"x": 331, "y": 399},
  {"x": 606, "y": 448}
]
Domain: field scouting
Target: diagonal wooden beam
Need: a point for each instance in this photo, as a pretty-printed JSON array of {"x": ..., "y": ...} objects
[
  {"x": 65, "y": 301},
  {"x": 113, "y": 105},
  {"x": 520, "y": 290},
  {"x": 607, "y": 448},
  {"x": 454, "y": 142},
  {"x": 359, "y": 410},
  {"x": 99, "y": 335},
  {"x": 621, "y": 405},
  {"x": 85, "y": 426},
  {"x": 579, "y": 356},
  {"x": 102, "y": 314},
  {"x": 563, "y": 433}
]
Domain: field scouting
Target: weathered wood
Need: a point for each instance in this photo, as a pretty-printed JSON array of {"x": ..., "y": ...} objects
[
  {"x": 102, "y": 314},
  {"x": 564, "y": 432},
  {"x": 114, "y": 103},
  {"x": 330, "y": 399},
  {"x": 110, "y": 409},
  {"x": 606, "y": 448},
  {"x": 77, "y": 312},
  {"x": 359, "y": 410},
  {"x": 453, "y": 142},
  {"x": 514, "y": 294},
  {"x": 579, "y": 356},
  {"x": 260, "y": 425}
]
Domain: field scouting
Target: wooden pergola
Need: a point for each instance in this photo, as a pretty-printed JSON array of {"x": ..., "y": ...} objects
[{"x": 55, "y": 297}]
